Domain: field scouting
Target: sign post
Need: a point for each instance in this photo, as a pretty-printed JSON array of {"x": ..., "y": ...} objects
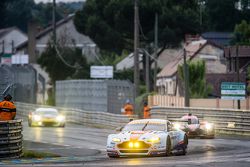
[
  {"x": 101, "y": 72},
  {"x": 233, "y": 90}
]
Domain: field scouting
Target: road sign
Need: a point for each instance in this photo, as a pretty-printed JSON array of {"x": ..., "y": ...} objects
[
  {"x": 233, "y": 90},
  {"x": 101, "y": 72}
]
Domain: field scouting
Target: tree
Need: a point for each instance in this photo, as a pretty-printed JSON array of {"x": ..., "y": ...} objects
[
  {"x": 62, "y": 63},
  {"x": 242, "y": 34},
  {"x": 18, "y": 13},
  {"x": 110, "y": 23},
  {"x": 69, "y": 64},
  {"x": 221, "y": 15},
  {"x": 197, "y": 82}
]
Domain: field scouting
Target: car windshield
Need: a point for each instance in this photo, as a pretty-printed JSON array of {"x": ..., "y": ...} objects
[
  {"x": 192, "y": 121},
  {"x": 50, "y": 112},
  {"x": 144, "y": 127}
]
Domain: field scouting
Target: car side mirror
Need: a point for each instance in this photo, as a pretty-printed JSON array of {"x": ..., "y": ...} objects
[{"x": 119, "y": 129}]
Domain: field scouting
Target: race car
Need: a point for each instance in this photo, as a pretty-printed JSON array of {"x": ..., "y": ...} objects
[
  {"x": 147, "y": 137},
  {"x": 46, "y": 117},
  {"x": 194, "y": 128}
]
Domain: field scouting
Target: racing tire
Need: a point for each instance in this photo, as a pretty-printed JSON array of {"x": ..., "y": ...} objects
[
  {"x": 30, "y": 123},
  {"x": 62, "y": 125},
  {"x": 168, "y": 147},
  {"x": 184, "y": 147},
  {"x": 113, "y": 156}
]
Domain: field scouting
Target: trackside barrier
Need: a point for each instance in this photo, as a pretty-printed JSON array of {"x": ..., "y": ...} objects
[
  {"x": 226, "y": 121},
  {"x": 78, "y": 116},
  {"x": 11, "y": 139}
]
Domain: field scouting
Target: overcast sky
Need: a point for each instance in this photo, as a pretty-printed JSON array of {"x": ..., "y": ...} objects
[{"x": 37, "y": 1}]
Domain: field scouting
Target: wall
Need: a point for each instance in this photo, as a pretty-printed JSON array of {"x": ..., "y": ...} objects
[
  {"x": 94, "y": 95},
  {"x": 168, "y": 101}
]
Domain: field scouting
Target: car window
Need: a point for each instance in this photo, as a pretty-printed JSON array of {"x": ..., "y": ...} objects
[
  {"x": 192, "y": 121},
  {"x": 51, "y": 112},
  {"x": 145, "y": 127}
]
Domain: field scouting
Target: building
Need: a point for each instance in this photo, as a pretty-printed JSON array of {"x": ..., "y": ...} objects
[
  {"x": 219, "y": 38},
  {"x": 67, "y": 35},
  {"x": 212, "y": 54},
  {"x": 234, "y": 54},
  {"x": 10, "y": 39}
]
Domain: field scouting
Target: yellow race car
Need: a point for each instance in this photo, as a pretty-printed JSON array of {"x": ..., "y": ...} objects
[{"x": 46, "y": 117}]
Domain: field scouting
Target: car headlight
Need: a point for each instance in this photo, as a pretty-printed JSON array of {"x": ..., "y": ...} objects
[
  {"x": 60, "y": 118},
  {"x": 154, "y": 139},
  {"x": 209, "y": 126},
  {"x": 177, "y": 126},
  {"x": 116, "y": 140},
  {"x": 37, "y": 117}
]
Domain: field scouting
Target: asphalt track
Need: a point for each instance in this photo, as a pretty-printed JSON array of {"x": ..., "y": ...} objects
[{"x": 84, "y": 146}]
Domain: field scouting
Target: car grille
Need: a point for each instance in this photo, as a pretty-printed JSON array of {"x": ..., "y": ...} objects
[
  {"x": 133, "y": 151},
  {"x": 125, "y": 145},
  {"x": 49, "y": 123}
]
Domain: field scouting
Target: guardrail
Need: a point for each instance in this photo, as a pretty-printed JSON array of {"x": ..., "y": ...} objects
[
  {"x": 88, "y": 118},
  {"x": 227, "y": 121},
  {"x": 11, "y": 139}
]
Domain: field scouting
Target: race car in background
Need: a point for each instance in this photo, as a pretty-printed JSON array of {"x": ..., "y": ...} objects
[
  {"x": 46, "y": 117},
  {"x": 194, "y": 127},
  {"x": 147, "y": 137}
]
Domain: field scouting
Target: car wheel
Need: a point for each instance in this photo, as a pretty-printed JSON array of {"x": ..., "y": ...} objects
[
  {"x": 62, "y": 125},
  {"x": 168, "y": 147},
  {"x": 209, "y": 137},
  {"x": 30, "y": 123},
  {"x": 113, "y": 156},
  {"x": 184, "y": 146}
]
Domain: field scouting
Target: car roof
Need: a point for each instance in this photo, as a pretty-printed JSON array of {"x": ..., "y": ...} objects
[
  {"x": 141, "y": 121},
  {"x": 46, "y": 109}
]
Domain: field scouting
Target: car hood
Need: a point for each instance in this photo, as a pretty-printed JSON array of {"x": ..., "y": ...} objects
[{"x": 137, "y": 135}]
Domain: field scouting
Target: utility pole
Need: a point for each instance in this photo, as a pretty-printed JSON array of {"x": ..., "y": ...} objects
[
  {"x": 54, "y": 22},
  {"x": 136, "y": 46},
  {"x": 185, "y": 72},
  {"x": 238, "y": 70},
  {"x": 147, "y": 73},
  {"x": 155, "y": 50}
]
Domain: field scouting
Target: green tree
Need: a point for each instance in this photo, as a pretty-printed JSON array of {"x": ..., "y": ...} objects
[
  {"x": 63, "y": 63},
  {"x": 67, "y": 63},
  {"x": 242, "y": 34},
  {"x": 197, "y": 82},
  {"x": 222, "y": 15},
  {"x": 18, "y": 13},
  {"x": 110, "y": 23}
]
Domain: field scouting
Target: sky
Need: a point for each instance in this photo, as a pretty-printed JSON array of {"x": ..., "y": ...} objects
[{"x": 37, "y": 1}]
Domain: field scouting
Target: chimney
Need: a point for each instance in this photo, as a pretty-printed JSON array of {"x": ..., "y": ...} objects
[{"x": 32, "y": 32}]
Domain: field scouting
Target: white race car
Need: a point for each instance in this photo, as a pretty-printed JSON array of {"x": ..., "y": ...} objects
[{"x": 148, "y": 137}]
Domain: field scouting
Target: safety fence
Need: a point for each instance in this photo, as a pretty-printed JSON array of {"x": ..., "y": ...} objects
[
  {"x": 11, "y": 139},
  {"x": 78, "y": 116},
  {"x": 226, "y": 121}
]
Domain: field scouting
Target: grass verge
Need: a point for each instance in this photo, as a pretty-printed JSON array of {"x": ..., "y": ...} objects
[{"x": 36, "y": 154}]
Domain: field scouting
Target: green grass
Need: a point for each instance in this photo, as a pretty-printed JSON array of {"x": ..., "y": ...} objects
[{"x": 36, "y": 154}]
